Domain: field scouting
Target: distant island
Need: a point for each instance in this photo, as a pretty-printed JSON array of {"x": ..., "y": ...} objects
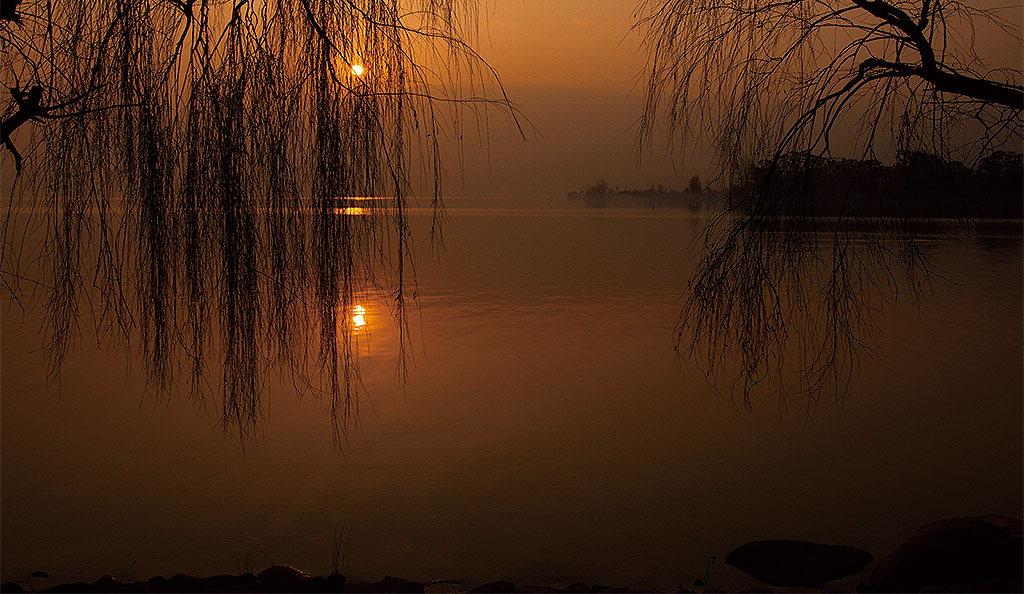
[
  {"x": 918, "y": 185},
  {"x": 694, "y": 197},
  {"x": 802, "y": 184}
]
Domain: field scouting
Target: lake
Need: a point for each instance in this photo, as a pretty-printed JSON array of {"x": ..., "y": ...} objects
[{"x": 547, "y": 432}]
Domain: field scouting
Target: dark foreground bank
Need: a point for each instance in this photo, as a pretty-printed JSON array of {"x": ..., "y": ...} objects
[
  {"x": 974, "y": 554},
  {"x": 287, "y": 579}
]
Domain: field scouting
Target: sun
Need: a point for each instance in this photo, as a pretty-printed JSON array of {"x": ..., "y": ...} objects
[{"x": 357, "y": 69}]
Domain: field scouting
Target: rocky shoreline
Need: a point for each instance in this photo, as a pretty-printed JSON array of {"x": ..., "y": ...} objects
[
  {"x": 282, "y": 578},
  {"x": 973, "y": 554}
]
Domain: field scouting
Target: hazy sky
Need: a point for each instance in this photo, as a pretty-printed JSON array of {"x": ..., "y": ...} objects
[
  {"x": 571, "y": 66},
  {"x": 574, "y": 69}
]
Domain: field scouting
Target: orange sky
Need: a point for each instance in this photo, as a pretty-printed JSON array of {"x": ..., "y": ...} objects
[
  {"x": 572, "y": 66},
  {"x": 578, "y": 43}
]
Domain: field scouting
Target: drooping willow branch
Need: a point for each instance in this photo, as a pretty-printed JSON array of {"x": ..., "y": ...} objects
[
  {"x": 782, "y": 299},
  {"x": 191, "y": 166}
]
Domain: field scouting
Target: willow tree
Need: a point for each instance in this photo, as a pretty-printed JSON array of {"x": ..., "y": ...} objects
[
  {"x": 188, "y": 165},
  {"x": 781, "y": 87}
]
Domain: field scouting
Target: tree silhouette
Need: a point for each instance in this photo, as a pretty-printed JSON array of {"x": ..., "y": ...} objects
[
  {"x": 779, "y": 87},
  {"x": 189, "y": 163}
]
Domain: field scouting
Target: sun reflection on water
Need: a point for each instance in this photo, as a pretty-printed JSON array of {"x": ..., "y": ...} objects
[{"x": 358, "y": 317}]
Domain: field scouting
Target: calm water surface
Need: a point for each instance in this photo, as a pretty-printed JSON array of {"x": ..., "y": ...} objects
[{"x": 547, "y": 433}]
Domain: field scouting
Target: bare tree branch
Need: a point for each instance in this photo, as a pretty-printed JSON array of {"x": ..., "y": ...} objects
[{"x": 782, "y": 301}]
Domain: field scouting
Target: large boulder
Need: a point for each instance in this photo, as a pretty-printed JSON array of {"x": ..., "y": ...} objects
[
  {"x": 183, "y": 582},
  {"x": 279, "y": 578},
  {"x": 960, "y": 554},
  {"x": 796, "y": 562}
]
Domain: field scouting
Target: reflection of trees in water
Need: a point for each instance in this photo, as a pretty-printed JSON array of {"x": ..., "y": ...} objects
[
  {"x": 185, "y": 163},
  {"x": 780, "y": 301},
  {"x": 999, "y": 239}
]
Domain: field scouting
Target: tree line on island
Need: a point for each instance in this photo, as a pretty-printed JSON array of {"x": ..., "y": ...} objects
[
  {"x": 803, "y": 184},
  {"x": 695, "y": 196},
  {"x": 918, "y": 185}
]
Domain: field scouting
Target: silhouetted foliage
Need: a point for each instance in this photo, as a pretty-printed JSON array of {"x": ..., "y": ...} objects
[
  {"x": 601, "y": 195},
  {"x": 185, "y": 163},
  {"x": 779, "y": 89},
  {"x": 918, "y": 186}
]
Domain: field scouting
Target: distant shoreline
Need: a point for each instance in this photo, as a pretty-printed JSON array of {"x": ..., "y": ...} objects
[{"x": 697, "y": 198}]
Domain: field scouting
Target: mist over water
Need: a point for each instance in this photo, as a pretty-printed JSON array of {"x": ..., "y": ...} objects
[{"x": 546, "y": 434}]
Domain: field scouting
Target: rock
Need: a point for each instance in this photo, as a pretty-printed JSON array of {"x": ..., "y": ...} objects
[
  {"x": 40, "y": 574},
  {"x": 536, "y": 589},
  {"x": 578, "y": 587},
  {"x": 492, "y": 587},
  {"x": 965, "y": 554},
  {"x": 11, "y": 587},
  {"x": 159, "y": 583},
  {"x": 336, "y": 581},
  {"x": 277, "y": 577},
  {"x": 796, "y": 562},
  {"x": 182, "y": 582}
]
